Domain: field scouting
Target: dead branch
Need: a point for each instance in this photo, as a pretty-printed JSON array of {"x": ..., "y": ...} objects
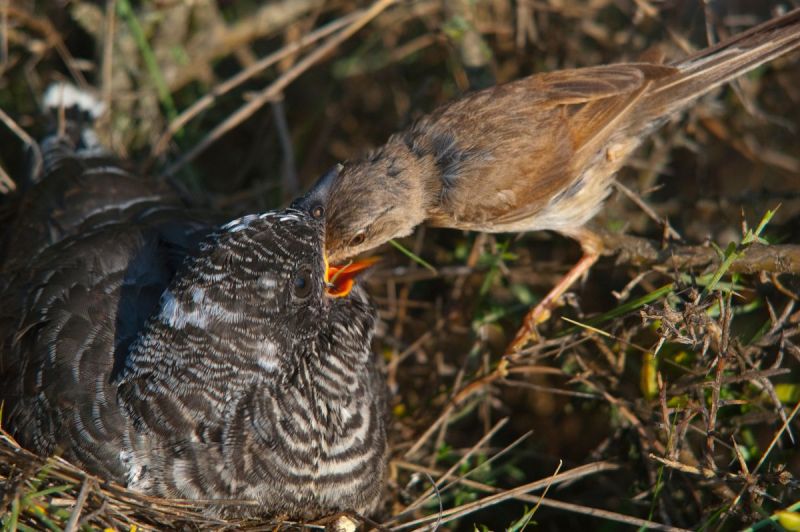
[{"x": 784, "y": 258}]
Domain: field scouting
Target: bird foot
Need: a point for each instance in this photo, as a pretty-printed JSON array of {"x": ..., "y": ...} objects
[
  {"x": 592, "y": 247},
  {"x": 528, "y": 333}
]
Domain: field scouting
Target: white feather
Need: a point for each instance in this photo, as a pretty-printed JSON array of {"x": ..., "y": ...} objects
[{"x": 65, "y": 95}]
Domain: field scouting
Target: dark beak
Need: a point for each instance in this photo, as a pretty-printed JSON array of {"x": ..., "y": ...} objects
[{"x": 318, "y": 194}]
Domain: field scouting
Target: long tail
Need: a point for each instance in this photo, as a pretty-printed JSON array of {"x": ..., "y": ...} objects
[{"x": 718, "y": 64}]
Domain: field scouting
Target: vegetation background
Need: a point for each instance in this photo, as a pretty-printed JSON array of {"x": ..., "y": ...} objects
[{"x": 662, "y": 395}]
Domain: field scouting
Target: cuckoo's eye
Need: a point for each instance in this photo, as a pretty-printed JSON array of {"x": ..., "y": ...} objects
[
  {"x": 317, "y": 212},
  {"x": 302, "y": 284},
  {"x": 358, "y": 239}
]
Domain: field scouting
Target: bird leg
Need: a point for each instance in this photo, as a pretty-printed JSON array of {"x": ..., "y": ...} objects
[{"x": 592, "y": 247}]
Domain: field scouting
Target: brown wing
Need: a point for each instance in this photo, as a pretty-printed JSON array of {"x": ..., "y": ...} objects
[
  {"x": 508, "y": 150},
  {"x": 583, "y": 85}
]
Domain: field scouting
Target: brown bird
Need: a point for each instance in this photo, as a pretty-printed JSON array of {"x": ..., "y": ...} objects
[{"x": 534, "y": 154}]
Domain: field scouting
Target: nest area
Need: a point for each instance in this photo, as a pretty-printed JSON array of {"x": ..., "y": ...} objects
[{"x": 662, "y": 394}]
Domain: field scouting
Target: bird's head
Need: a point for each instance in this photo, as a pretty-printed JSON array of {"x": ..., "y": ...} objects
[
  {"x": 365, "y": 204},
  {"x": 258, "y": 292}
]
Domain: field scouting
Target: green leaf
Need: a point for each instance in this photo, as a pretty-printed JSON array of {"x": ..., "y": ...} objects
[
  {"x": 413, "y": 256},
  {"x": 734, "y": 252}
]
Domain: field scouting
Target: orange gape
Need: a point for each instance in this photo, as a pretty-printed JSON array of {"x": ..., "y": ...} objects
[{"x": 341, "y": 279}]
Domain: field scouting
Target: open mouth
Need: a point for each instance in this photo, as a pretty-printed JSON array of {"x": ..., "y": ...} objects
[{"x": 341, "y": 279}]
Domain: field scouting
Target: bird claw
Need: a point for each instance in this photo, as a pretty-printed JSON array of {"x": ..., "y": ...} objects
[
  {"x": 527, "y": 333},
  {"x": 592, "y": 247}
]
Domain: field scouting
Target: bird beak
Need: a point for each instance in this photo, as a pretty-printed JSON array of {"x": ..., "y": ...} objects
[
  {"x": 320, "y": 191},
  {"x": 341, "y": 279}
]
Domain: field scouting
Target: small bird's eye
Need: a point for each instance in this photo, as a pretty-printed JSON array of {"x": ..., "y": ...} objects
[
  {"x": 317, "y": 212},
  {"x": 301, "y": 284},
  {"x": 358, "y": 239}
]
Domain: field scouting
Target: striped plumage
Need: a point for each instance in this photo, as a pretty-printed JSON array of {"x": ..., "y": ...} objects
[{"x": 154, "y": 348}]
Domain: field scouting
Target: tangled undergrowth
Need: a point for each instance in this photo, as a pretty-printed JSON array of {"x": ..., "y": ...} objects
[{"x": 662, "y": 395}]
